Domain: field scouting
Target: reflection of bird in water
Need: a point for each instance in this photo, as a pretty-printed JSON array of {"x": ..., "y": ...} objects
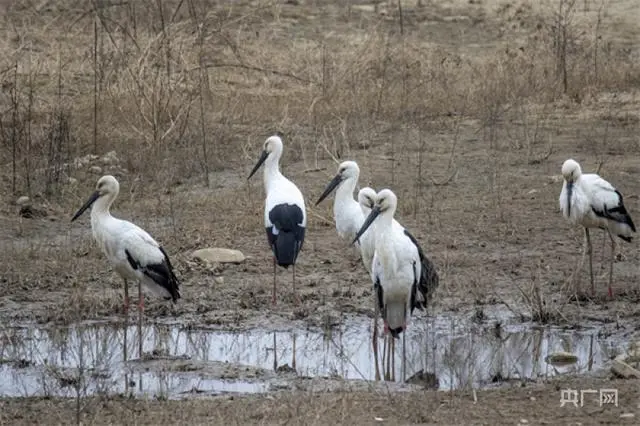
[
  {"x": 426, "y": 379},
  {"x": 284, "y": 368}
]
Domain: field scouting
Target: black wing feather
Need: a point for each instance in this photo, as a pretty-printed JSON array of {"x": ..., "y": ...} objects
[
  {"x": 618, "y": 214},
  {"x": 161, "y": 273},
  {"x": 429, "y": 279}
]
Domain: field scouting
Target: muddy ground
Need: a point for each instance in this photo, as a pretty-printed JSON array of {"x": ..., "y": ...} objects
[
  {"x": 479, "y": 191},
  {"x": 537, "y": 404}
]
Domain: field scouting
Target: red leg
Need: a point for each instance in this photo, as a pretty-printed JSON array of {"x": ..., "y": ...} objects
[
  {"x": 140, "y": 314},
  {"x": 386, "y": 327},
  {"x": 375, "y": 346},
  {"x": 126, "y": 297},
  {"x": 296, "y": 299},
  {"x": 273, "y": 299}
]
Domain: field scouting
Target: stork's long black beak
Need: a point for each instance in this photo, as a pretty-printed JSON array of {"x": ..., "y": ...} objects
[
  {"x": 330, "y": 187},
  {"x": 263, "y": 157},
  {"x": 375, "y": 211},
  {"x": 569, "y": 195},
  {"x": 92, "y": 199}
]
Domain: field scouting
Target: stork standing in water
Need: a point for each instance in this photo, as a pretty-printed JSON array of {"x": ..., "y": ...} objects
[
  {"x": 349, "y": 216},
  {"x": 590, "y": 201},
  {"x": 347, "y": 212},
  {"x": 366, "y": 200},
  {"x": 404, "y": 278},
  {"x": 285, "y": 217},
  {"x": 132, "y": 252}
]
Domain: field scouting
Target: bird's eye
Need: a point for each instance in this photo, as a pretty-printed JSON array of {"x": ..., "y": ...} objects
[{"x": 341, "y": 171}]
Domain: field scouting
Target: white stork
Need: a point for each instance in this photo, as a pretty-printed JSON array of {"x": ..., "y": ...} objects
[
  {"x": 132, "y": 252},
  {"x": 591, "y": 201},
  {"x": 366, "y": 200},
  {"x": 285, "y": 217},
  {"x": 404, "y": 278},
  {"x": 348, "y": 213}
]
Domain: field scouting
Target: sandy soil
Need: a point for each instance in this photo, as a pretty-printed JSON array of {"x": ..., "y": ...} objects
[{"x": 485, "y": 211}]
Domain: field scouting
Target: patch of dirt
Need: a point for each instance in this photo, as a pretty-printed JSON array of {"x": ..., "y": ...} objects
[{"x": 531, "y": 404}]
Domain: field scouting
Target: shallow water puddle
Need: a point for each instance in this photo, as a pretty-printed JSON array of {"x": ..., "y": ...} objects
[{"x": 177, "y": 361}]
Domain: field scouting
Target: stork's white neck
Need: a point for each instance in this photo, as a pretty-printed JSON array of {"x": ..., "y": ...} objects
[
  {"x": 102, "y": 205},
  {"x": 383, "y": 229},
  {"x": 344, "y": 192},
  {"x": 272, "y": 169}
]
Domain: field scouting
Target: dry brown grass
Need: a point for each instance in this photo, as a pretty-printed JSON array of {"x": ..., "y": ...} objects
[{"x": 277, "y": 66}]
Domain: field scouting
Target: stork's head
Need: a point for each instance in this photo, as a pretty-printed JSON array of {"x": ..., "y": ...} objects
[
  {"x": 107, "y": 188},
  {"x": 571, "y": 170},
  {"x": 349, "y": 169},
  {"x": 367, "y": 198},
  {"x": 107, "y": 185},
  {"x": 272, "y": 148},
  {"x": 385, "y": 204},
  {"x": 386, "y": 201},
  {"x": 346, "y": 170}
]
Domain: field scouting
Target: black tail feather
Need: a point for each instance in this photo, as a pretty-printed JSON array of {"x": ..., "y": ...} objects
[
  {"x": 286, "y": 249},
  {"x": 288, "y": 238},
  {"x": 161, "y": 273},
  {"x": 429, "y": 279}
]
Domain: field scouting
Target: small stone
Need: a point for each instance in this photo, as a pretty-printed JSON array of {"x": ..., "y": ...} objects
[
  {"x": 627, "y": 415},
  {"x": 219, "y": 255},
  {"x": 72, "y": 181},
  {"x": 219, "y": 280},
  {"x": 560, "y": 359},
  {"x": 524, "y": 421},
  {"x": 95, "y": 169},
  {"x": 22, "y": 201}
]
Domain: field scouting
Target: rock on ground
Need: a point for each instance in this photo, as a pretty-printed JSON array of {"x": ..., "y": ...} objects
[{"x": 219, "y": 255}]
